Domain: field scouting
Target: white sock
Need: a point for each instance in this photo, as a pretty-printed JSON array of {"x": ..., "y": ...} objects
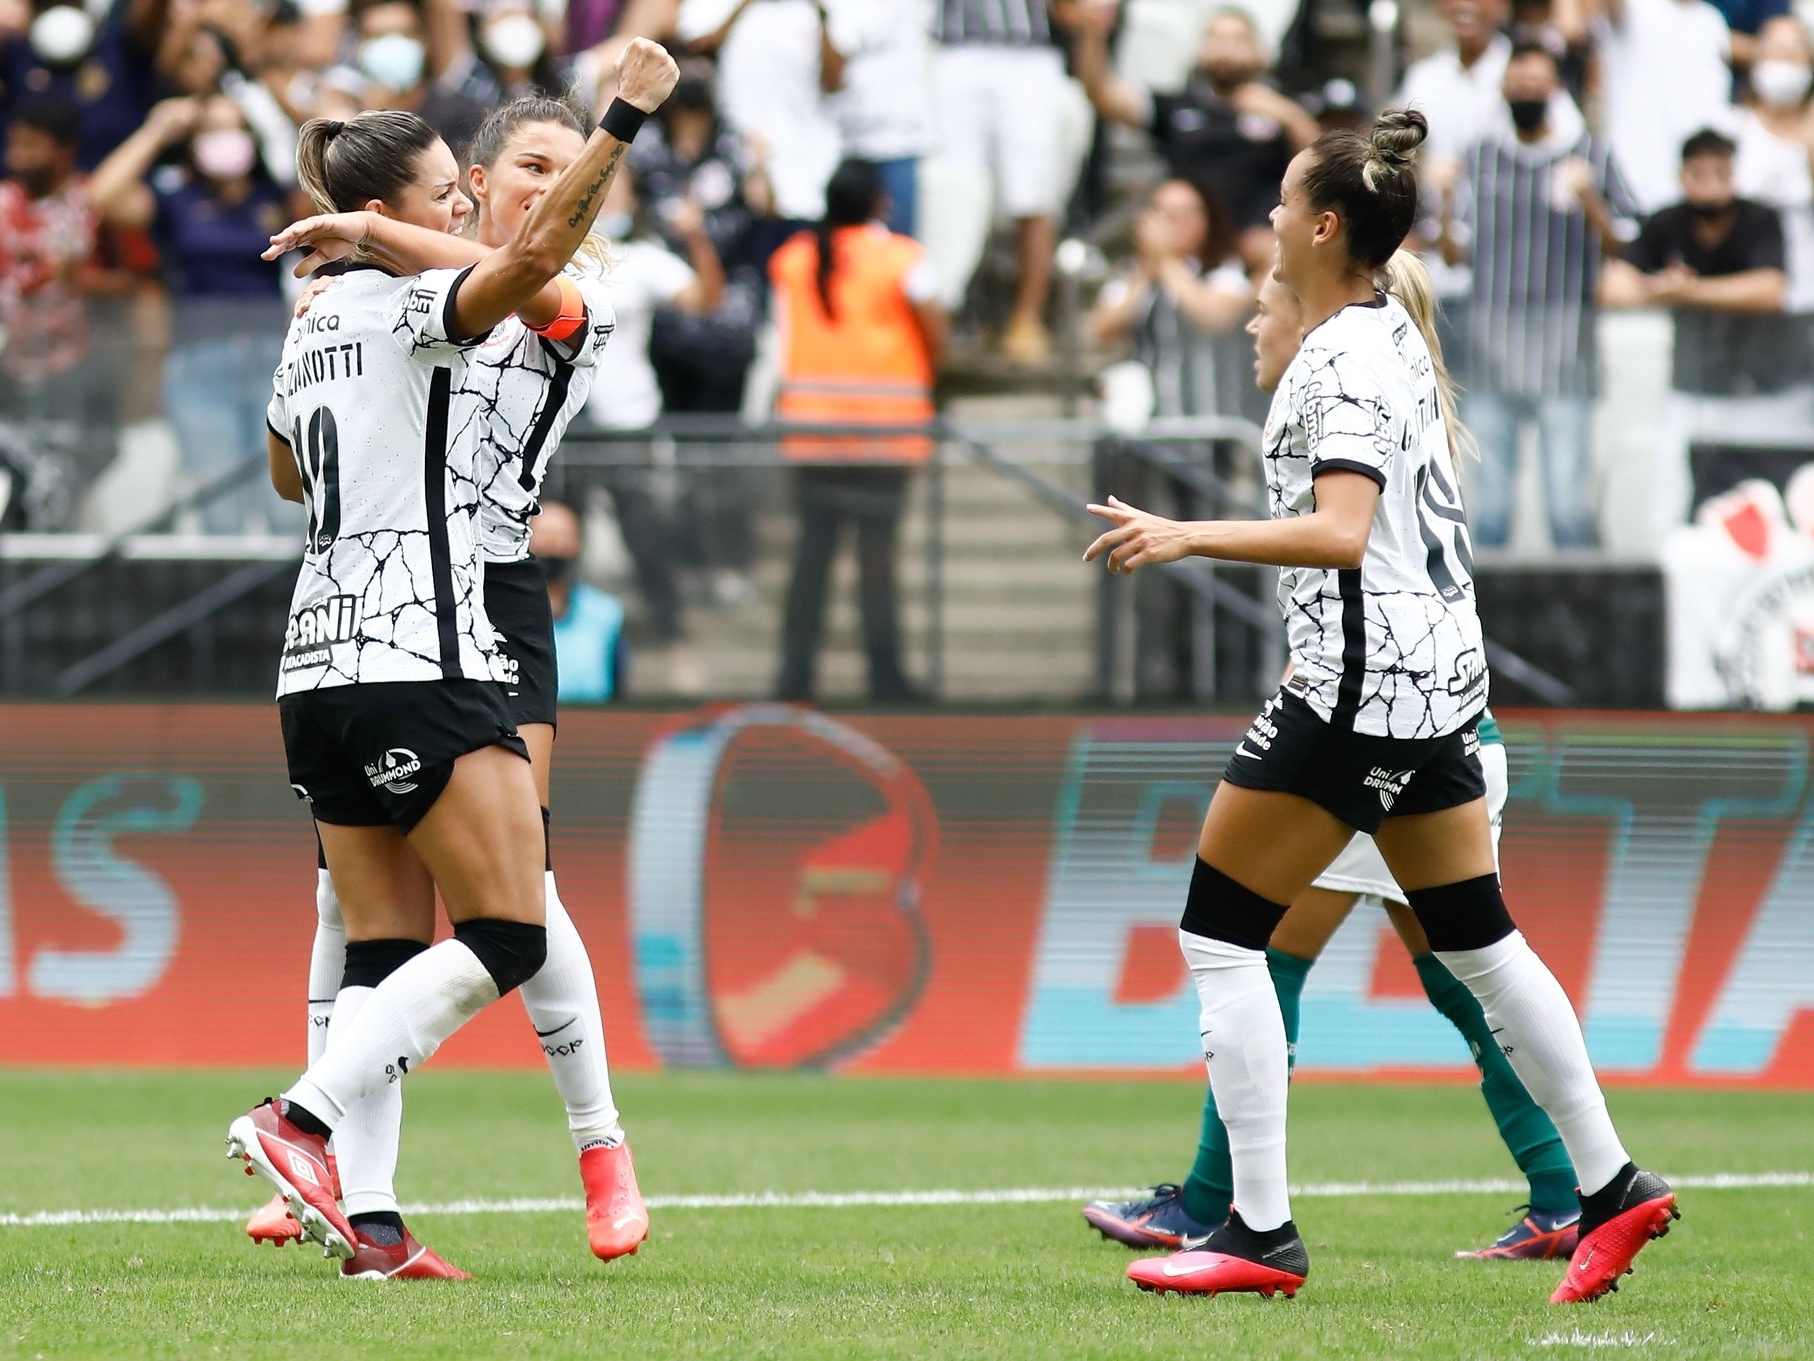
[
  {"x": 1244, "y": 1048},
  {"x": 1541, "y": 1037},
  {"x": 562, "y": 1002},
  {"x": 365, "y": 1143},
  {"x": 327, "y": 962},
  {"x": 401, "y": 1024}
]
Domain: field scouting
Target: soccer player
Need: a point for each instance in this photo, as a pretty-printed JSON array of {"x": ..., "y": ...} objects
[
  {"x": 534, "y": 379},
  {"x": 1175, "y": 1215},
  {"x": 1376, "y": 730},
  {"x": 395, "y": 726}
]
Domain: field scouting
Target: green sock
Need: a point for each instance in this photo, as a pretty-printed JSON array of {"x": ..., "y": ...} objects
[
  {"x": 1209, "y": 1189},
  {"x": 1527, "y": 1131}
]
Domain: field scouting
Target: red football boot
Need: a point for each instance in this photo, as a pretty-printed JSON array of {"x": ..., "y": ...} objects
[
  {"x": 296, "y": 1163},
  {"x": 1233, "y": 1258},
  {"x": 406, "y": 1260},
  {"x": 272, "y": 1222},
  {"x": 1616, "y": 1223},
  {"x": 616, "y": 1219},
  {"x": 1536, "y": 1237}
]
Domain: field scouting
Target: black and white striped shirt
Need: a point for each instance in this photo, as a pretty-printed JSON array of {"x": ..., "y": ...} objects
[
  {"x": 997, "y": 23},
  {"x": 1536, "y": 264}
]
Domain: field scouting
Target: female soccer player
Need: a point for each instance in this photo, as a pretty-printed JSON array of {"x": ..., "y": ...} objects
[
  {"x": 1179, "y": 1213},
  {"x": 394, "y": 725},
  {"x": 536, "y": 378},
  {"x": 1376, "y": 730}
]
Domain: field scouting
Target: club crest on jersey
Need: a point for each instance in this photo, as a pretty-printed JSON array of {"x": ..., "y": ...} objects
[
  {"x": 1389, "y": 783},
  {"x": 315, "y": 630},
  {"x": 393, "y": 772}
]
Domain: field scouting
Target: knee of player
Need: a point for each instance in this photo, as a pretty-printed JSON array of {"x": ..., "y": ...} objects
[{"x": 512, "y": 952}]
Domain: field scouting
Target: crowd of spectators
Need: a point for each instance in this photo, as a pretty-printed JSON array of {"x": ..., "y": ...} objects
[{"x": 1584, "y": 154}]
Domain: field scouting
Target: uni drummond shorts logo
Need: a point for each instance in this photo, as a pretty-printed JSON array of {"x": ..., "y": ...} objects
[
  {"x": 775, "y": 864},
  {"x": 1389, "y": 783},
  {"x": 393, "y": 772},
  {"x": 314, "y": 631}
]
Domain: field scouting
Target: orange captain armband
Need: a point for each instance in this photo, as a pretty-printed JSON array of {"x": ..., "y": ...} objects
[{"x": 572, "y": 316}]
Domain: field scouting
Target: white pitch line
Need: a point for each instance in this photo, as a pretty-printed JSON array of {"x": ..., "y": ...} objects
[{"x": 838, "y": 1200}]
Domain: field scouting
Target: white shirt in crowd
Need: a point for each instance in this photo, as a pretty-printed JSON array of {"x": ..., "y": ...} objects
[
  {"x": 642, "y": 276},
  {"x": 1775, "y": 171},
  {"x": 1460, "y": 102},
  {"x": 1665, "y": 77},
  {"x": 768, "y": 91},
  {"x": 884, "y": 111},
  {"x": 1392, "y": 648}
]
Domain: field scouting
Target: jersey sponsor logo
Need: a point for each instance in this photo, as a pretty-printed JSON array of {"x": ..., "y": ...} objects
[
  {"x": 1468, "y": 673},
  {"x": 421, "y": 300},
  {"x": 393, "y": 772},
  {"x": 1389, "y": 783},
  {"x": 316, "y": 630},
  {"x": 1470, "y": 743}
]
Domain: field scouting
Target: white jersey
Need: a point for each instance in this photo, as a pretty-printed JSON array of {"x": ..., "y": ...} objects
[
  {"x": 1392, "y": 648},
  {"x": 531, "y": 389},
  {"x": 373, "y": 398}
]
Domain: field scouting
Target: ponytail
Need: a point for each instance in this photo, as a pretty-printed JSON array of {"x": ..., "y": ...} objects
[
  {"x": 853, "y": 196},
  {"x": 343, "y": 166},
  {"x": 1405, "y": 278}
]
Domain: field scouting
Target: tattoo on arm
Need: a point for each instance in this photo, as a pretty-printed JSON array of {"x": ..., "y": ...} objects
[{"x": 597, "y": 186}]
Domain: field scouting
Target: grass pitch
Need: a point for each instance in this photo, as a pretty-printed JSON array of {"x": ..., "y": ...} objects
[{"x": 1735, "y": 1278}]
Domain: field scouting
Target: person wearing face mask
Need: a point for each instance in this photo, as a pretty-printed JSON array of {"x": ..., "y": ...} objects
[
  {"x": 1775, "y": 136},
  {"x": 1740, "y": 366},
  {"x": 211, "y": 214},
  {"x": 1533, "y": 207},
  {"x": 104, "y": 67},
  {"x": 1229, "y": 127},
  {"x": 393, "y": 72},
  {"x": 588, "y": 623}
]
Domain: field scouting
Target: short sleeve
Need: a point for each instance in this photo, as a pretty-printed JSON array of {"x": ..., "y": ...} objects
[
  {"x": 277, "y": 413},
  {"x": 1349, "y": 425},
  {"x": 422, "y": 315},
  {"x": 601, "y": 319},
  {"x": 1650, "y": 251},
  {"x": 1764, "y": 243}
]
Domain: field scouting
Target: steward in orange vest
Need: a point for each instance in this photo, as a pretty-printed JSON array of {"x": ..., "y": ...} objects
[{"x": 862, "y": 360}]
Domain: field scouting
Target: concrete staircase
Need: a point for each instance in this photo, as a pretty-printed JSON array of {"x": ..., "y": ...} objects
[{"x": 1020, "y": 604}]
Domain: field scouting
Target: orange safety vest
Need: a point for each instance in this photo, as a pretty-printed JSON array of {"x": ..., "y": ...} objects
[{"x": 867, "y": 366}]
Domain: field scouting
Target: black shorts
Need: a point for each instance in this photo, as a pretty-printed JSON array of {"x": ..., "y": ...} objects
[
  {"x": 380, "y": 755},
  {"x": 516, "y": 599},
  {"x": 1362, "y": 780}
]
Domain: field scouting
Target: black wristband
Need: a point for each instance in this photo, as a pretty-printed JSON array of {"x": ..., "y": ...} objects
[{"x": 622, "y": 121}]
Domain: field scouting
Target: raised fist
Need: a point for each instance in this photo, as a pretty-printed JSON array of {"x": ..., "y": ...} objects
[{"x": 646, "y": 74}]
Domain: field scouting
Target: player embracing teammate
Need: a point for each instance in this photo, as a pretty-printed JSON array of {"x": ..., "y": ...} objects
[
  {"x": 454, "y": 367},
  {"x": 1376, "y": 730}
]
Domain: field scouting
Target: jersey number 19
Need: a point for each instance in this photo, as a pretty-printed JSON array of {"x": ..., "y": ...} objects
[{"x": 318, "y": 457}]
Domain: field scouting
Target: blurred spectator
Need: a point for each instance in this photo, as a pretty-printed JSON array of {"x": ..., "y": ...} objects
[
  {"x": 393, "y": 73},
  {"x": 1460, "y": 90},
  {"x": 998, "y": 80},
  {"x": 1775, "y": 136},
  {"x": 1537, "y": 204},
  {"x": 590, "y": 22},
  {"x": 1663, "y": 74},
  {"x": 62, "y": 405},
  {"x": 1740, "y": 367},
  {"x": 211, "y": 212},
  {"x": 643, "y": 275},
  {"x": 884, "y": 108},
  {"x": 776, "y": 63},
  {"x": 589, "y": 649},
  {"x": 861, "y": 332},
  {"x": 499, "y": 50},
  {"x": 1183, "y": 290},
  {"x": 1560, "y": 27},
  {"x": 105, "y": 68},
  {"x": 1229, "y": 129}
]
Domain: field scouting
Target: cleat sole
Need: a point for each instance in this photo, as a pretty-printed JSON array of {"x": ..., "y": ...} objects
[{"x": 242, "y": 1142}]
